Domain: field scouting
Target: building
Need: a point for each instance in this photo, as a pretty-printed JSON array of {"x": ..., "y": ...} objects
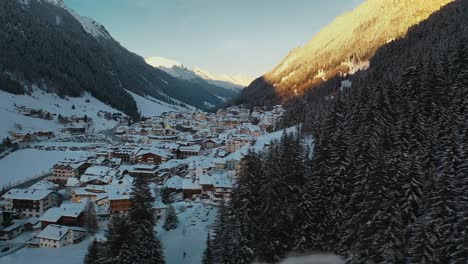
[
  {"x": 71, "y": 214},
  {"x": 236, "y": 143},
  {"x": 188, "y": 151},
  {"x": 190, "y": 188},
  {"x": 119, "y": 201},
  {"x": 152, "y": 156},
  {"x": 29, "y": 202},
  {"x": 64, "y": 170},
  {"x": 57, "y": 236}
]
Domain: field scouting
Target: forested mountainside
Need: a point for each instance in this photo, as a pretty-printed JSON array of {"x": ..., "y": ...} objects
[
  {"x": 44, "y": 43},
  {"x": 343, "y": 47},
  {"x": 387, "y": 180}
]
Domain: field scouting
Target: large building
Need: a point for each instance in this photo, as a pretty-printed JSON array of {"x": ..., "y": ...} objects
[{"x": 29, "y": 202}]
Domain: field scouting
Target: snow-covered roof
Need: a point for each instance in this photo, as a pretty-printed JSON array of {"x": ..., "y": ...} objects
[
  {"x": 100, "y": 171},
  {"x": 66, "y": 209},
  {"x": 174, "y": 182},
  {"x": 27, "y": 194},
  {"x": 54, "y": 232},
  {"x": 193, "y": 148},
  {"x": 190, "y": 184},
  {"x": 44, "y": 185},
  {"x": 72, "y": 182}
]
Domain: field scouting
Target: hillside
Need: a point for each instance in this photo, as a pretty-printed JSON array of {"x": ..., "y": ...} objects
[
  {"x": 343, "y": 47},
  {"x": 59, "y": 51}
]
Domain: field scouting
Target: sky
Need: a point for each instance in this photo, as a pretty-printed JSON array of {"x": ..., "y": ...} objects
[{"x": 247, "y": 37}]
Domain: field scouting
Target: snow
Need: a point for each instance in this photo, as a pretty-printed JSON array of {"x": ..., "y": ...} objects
[
  {"x": 72, "y": 254},
  {"x": 26, "y": 164},
  {"x": 50, "y": 103},
  {"x": 178, "y": 70},
  {"x": 190, "y": 235},
  {"x": 149, "y": 106},
  {"x": 260, "y": 143}
]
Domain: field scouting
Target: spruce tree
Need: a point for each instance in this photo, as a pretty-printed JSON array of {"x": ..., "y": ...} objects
[
  {"x": 171, "y": 220},
  {"x": 92, "y": 256},
  {"x": 208, "y": 257}
]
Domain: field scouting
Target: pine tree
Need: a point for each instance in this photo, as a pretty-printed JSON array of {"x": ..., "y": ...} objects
[
  {"x": 117, "y": 234},
  {"x": 91, "y": 223},
  {"x": 208, "y": 257},
  {"x": 171, "y": 220},
  {"x": 144, "y": 247},
  {"x": 92, "y": 257}
]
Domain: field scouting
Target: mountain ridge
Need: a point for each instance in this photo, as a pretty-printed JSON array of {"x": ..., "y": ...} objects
[{"x": 343, "y": 47}]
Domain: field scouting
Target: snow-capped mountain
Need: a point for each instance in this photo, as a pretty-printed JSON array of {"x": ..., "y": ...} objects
[
  {"x": 343, "y": 47},
  {"x": 57, "y": 50},
  {"x": 178, "y": 70}
]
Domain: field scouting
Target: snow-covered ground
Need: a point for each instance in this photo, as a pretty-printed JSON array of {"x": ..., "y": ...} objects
[
  {"x": 72, "y": 254},
  {"x": 189, "y": 236},
  {"x": 26, "y": 164},
  {"x": 85, "y": 105},
  {"x": 260, "y": 143},
  {"x": 149, "y": 106}
]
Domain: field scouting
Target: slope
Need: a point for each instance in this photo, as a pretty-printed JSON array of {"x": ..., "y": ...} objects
[{"x": 343, "y": 47}]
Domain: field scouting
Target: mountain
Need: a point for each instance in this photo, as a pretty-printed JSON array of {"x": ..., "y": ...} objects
[
  {"x": 343, "y": 47},
  {"x": 47, "y": 45},
  {"x": 178, "y": 70}
]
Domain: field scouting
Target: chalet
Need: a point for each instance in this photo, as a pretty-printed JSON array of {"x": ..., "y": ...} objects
[
  {"x": 90, "y": 192},
  {"x": 238, "y": 142},
  {"x": 142, "y": 170},
  {"x": 119, "y": 201},
  {"x": 153, "y": 156},
  {"x": 70, "y": 214},
  {"x": 174, "y": 183},
  {"x": 190, "y": 188},
  {"x": 98, "y": 175},
  {"x": 68, "y": 169},
  {"x": 29, "y": 202},
  {"x": 11, "y": 231},
  {"x": 217, "y": 185},
  {"x": 188, "y": 151},
  {"x": 212, "y": 143},
  {"x": 126, "y": 155},
  {"x": 57, "y": 236},
  {"x": 74, "y": 128}
]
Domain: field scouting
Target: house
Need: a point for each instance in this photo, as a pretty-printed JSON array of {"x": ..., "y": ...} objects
[
  {"x": 82, "y": 194},
  {"x": 153, "y": 156},
  {"x": 174, "y": 183},
  {"x": 98, "y": 175},
  {"x": 68, "y": 169},
  {"x": 142, "y": 170},
  {"x": 57, "y": 236},
  {"x": 119, "y": 201},
  {"x": 70, "y": 214},
  {"x": 238, "y": 142},
  {"x": 74, "y": 128},
  {"x": 12, "y": 231},
  {"x": 188, "y": 151},
  {"x": 190, "y": 188},
  {"x": 29, "y": 202},
  {"x": 212, "y": 143},
  {"x": 126, "y": 155}
]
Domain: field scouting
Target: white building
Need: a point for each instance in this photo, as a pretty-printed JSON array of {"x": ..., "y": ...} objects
[
  {"x": 29, "y": 202},
  {"x": 57, "y": 236}
]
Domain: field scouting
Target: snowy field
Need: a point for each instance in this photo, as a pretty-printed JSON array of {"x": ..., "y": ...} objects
[
  {"x": 85, "y": 105},
  {"x": 26, "y": 164},
  {"x": 152, "y": 107},
  {"x": 72, "y": 254},
  {"x": 190, "y": 235}
]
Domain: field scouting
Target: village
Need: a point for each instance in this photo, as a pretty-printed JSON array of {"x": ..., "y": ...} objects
[{"x": 188, "y": 158}]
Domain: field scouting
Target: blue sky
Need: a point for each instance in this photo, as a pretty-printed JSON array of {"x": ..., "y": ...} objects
[{"x": 222, "y": 36}]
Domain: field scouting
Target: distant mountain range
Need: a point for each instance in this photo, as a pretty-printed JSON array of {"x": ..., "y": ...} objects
[
  {"x": 178, "y": 70},
  {"x": 45, "y": 44},
  {"x": 343, "y": 47}
]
